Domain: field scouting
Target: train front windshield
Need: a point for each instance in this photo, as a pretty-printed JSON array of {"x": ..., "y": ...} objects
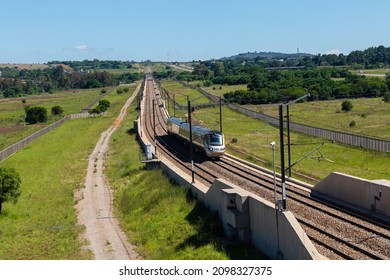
[{"x": 216, "y": 140}]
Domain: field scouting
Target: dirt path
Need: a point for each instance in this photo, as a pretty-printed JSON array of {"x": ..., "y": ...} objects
[{"x": 105, "y": 238}]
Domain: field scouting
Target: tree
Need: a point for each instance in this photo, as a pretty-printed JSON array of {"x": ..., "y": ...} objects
[
  {"x": 35, "y": 115},
  {"x": 219, "y": 68},
  {"x": 103, "y": 105},
  {"x": 57, "y": 110},
  {"x": 9, "y": 185},
  {"x": 346, "y": 106}
]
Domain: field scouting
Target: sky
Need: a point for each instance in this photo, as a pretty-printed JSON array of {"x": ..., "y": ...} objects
[{"x": 40, "y": 31}]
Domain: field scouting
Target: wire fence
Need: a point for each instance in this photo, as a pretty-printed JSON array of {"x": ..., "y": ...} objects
[{"x": 360, "y": 141}]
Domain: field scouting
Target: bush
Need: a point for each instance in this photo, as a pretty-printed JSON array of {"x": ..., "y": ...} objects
[
  {"x": 9, "y": 185},
  {"x": 208, "y": 83},
  {"x": 57, "y": 110},
  {"x": 103, "y": 105},
  {"x": 386, "y": 98},
  {"x": 346, "y": 106},
  {"x": 352, "y": 124},
  {"x": 35, "y": 115}
]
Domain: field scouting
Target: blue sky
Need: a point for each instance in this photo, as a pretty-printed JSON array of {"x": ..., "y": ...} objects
[{"x": 171, "y": 30}]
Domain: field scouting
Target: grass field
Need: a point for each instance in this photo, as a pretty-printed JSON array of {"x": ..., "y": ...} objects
[
  {"x": 380, "y": 71},
  {"x": 220, "y": 90},
  {"x": 370, "y": 115},
  {"x": 12, "y": 114},
  {"x": 42, "y": 225},
  {"x": 33, "y": 66},
  {"x": 182, "y": 93}
]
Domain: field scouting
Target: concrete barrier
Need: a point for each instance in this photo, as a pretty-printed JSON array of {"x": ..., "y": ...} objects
[
  {"x": 250, "y": 218},
  {"x": 366, "y": 196}
]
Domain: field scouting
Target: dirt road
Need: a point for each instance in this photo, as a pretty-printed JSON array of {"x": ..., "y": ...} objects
[{"x": 105, "y": 238}]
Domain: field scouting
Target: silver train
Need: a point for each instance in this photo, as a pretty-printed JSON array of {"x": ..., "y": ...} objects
[{"x": 208, "y": 141}]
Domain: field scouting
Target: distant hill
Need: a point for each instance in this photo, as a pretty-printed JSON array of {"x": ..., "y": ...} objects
[
  {"x": 265, "y": 55},
  {"x": 26, "y": 66}
]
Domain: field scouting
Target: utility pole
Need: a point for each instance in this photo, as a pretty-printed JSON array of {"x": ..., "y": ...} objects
[
  {"x": 282, "y": 157},
  {"x": 281, "y": 128},
  {"x": 220, "y": 114},
  {"x": 174, "y": 106},
  {"x": 191, "y": 148},
  {"x": 288, "y": 141}
]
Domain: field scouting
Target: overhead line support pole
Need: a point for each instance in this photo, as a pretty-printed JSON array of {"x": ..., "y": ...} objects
[
  {"x": 191, "y": 148},
  {"x": 283, "y": 175}
]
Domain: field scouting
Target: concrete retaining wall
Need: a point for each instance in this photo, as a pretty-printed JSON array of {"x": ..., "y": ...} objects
[
  {"x": 371, "y": 196},
  {"x": 250, "y": 218}
]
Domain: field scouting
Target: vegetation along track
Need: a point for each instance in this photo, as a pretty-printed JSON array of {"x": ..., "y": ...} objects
[{"x": 336, "y": 233}]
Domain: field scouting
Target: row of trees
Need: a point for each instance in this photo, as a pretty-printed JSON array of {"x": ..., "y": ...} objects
[
  {"x": 51, "y": 79},
  {"x": 275, "y": 87},
  {"x": 374, "y": 57},
  {"x": 95, "y": 64},
  {"x": 16, "y": 82}
]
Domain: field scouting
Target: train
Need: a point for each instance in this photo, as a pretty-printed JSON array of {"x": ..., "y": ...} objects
[{"x": 207, "y": 141}]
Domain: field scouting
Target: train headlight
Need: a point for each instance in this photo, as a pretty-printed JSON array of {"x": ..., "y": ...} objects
[{"x": 210, "y": 149}]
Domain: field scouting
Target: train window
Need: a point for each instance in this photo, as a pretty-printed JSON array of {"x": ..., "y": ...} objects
[{"x": 216, "y": 140}]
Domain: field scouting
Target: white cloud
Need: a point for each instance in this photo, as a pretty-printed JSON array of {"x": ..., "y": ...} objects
[
  {"x": 335, "y": 51},
  {"x": 80, "y": 47}
]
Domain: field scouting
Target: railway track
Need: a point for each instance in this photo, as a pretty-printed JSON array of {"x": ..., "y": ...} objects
[{"x": 336, "y": 233}]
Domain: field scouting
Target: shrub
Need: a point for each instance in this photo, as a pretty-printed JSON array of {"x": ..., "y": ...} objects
[
  {"x": 35, "y": 114},
  {"x": 57, "y": 110},
  {"x": 352, "y": 124},
  {"x": 103, "y": 105},
  {"x": 208, "y": 83},
  {"x": 346, "y": 106},
  {"x": 9, "y": 185},
  {"x": 386, "y": 98}
]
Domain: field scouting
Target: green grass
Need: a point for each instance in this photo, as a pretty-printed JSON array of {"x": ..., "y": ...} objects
[
  {"x": 182, "y": 93},
  {"x": 12, "y": 126},
  {"x": 42, "y": 225},
  {"x": 220, "y": 90},
  {"x": 158, "y": 216},
  {"x": 381, "y": 71},
  {"x": 371, "y": 115}
]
